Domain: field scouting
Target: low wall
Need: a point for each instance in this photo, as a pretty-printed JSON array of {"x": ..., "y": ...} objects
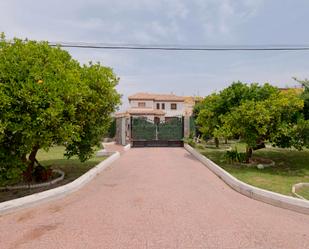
[
  {"x": 275, "y": 199},
  {"x": 55, "y": 193},
  {"x": 298, "y": 186}
]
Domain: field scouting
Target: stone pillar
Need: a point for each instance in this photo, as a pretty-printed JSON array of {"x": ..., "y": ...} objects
[
  {"x": 123, "y": 131},
  {"x": 118, "y": 130},
  {"x": 186, "y": 126},
  {"x": 121, "y": 128}
]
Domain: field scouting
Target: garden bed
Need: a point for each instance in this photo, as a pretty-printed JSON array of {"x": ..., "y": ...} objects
[
  {"x": 291, "y": 167},
  {"x": 54, "y": 158}
]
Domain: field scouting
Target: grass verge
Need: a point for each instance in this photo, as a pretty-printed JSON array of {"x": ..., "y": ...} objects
[
  {"x": 54, "y": 158},
  {"x": 291, "y": 167}
]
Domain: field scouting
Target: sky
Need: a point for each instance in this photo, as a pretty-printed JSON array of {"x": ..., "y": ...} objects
[{"x": 173, "y": 22}]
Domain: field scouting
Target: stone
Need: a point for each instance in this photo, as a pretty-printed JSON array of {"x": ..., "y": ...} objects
[{"x": 260, "y": 166}]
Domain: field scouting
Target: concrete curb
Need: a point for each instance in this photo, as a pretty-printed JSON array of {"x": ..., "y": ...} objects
[
  {"x": 272, "y": 198},
  {"x": 127, "y": 147},
  {"x": 297, "y": 186},
  {"x": 56, "y": 193},
  {"x": 44, "y": 184}
]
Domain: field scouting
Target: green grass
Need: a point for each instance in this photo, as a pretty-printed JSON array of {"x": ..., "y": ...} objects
[
  {"x": 304, "y": 192},
  {"x": 54, "y": 158},
  {"x": 71, "y": 167},
  {"x": 291, "y": 167}
]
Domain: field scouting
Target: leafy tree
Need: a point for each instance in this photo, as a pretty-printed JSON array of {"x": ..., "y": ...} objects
[
  {"x": 215, "y": 106},
  {"x": 47, "y": 98},
  {"x": 272, "y": 119},
  {"x": 208, "y": 116},
  {"x": 305, "y": 96}
]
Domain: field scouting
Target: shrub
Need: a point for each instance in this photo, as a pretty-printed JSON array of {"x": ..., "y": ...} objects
[
  {"x": 189, "y": 141},
  {"x": 233, "y": 156}
]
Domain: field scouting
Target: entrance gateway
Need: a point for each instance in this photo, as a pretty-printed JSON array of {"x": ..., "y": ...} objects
[{"x": 148, "y": 133}]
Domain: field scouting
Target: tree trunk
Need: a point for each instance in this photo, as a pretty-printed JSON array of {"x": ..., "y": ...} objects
[
  {"x": 259, "y": 146},
  {"x": 31, "y": 163},
  {"x": 225, "y": 140},
  {"x": 249, "y": 154},
  {"x": 217, "y": 142}
]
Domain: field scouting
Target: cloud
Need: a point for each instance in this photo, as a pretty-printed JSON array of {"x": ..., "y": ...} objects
[{"x": 195, "y": 22}]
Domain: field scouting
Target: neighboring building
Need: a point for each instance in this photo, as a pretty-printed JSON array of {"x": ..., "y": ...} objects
[
  {"x": 296, "y": 89},
  {"x": 160, "y": 107}
]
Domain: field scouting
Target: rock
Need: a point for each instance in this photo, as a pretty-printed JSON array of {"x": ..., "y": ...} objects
[{"x": 260, "y": 166}]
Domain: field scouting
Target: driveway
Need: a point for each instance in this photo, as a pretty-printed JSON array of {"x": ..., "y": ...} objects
[{"x": 155, "y": 198}]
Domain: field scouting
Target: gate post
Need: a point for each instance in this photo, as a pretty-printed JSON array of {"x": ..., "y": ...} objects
[
  {"x": 121, "y": 130},
  {"x": 186, "y": 126}
]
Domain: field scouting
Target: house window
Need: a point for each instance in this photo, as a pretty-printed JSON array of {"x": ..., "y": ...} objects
[
  {"x": 163, "y": 106},
  {"x": 158, "y": 106},
  {"x": 173, "y": 106},
  {"x": 141, "y": 104}
]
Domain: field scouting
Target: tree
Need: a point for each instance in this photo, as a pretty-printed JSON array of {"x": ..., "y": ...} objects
[
  {"x": 208, "y": 116},
  {"x": 266, "y": 120},
  {"x": 215, "y": 106},
  {"x": 47, "y": 98},
  {"x": 305, "y": 96}
]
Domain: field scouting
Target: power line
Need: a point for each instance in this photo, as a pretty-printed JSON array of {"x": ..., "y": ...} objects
[{"x": 179, "y": 47}]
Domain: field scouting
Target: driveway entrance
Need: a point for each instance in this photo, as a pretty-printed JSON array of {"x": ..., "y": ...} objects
[{"x": 148, "y": 133}]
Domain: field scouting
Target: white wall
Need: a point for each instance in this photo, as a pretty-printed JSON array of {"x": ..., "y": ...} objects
[
  {"x": 180, "y": 111},
  {"x": 169, "y": 112},
  {"x": 134, "y": 103}
]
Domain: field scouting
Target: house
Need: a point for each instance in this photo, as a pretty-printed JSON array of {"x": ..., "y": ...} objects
[
  {"x": 155, "y": 108},
  {"x": 296, "y": 89},
  {"x": 159, "y": 107}
]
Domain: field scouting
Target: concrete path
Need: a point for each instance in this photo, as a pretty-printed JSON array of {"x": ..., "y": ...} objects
[{"x": 155, "y": 198}]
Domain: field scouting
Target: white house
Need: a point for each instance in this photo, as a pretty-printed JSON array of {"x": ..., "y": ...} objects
[{"x": 160, "y": 107}]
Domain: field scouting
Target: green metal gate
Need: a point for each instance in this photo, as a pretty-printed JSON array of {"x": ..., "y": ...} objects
[{"x": 148, "y": 133}]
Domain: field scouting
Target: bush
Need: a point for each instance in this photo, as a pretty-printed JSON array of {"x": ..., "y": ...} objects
[
  {"x": 189, "y": 141},
  {"x": 233, "y": 156}
]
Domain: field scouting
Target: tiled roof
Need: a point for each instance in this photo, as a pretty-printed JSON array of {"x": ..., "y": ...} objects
[
  {"x": 297, "y": 90},
  {"x": 156, "y": 97}
]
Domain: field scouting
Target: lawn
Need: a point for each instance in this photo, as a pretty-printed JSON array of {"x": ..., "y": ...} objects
[
  {"x": 291, "y": 167},
  {"x": 54, "y": 158}
]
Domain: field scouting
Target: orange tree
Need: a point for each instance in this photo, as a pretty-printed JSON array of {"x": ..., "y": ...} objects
[
  {"x": 211, "y": 110},
  {"x": 48, "y": 98},
  {"x": 277, "y": 119}
]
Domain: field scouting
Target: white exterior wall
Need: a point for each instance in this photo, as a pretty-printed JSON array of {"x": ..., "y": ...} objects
[
  {"x": 149, "y": 104},
  {"x": 171, "y": 113}
]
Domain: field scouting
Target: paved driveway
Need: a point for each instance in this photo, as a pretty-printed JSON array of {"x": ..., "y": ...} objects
[{"x": 155, "y": 198}]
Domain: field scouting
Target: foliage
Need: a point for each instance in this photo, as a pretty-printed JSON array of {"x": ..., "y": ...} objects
[
  {"x": 111, "y": 133},
  {"x": 233, "y": 156},
  {"x": 215, "y": 106},
  {"x": 256, "y": 114},
  {"x": 47, "y": 98},
  {"x": 259, "y": 121},
  {"x": 305, "y": 96},
  {"x": 190, "y": 141}
]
